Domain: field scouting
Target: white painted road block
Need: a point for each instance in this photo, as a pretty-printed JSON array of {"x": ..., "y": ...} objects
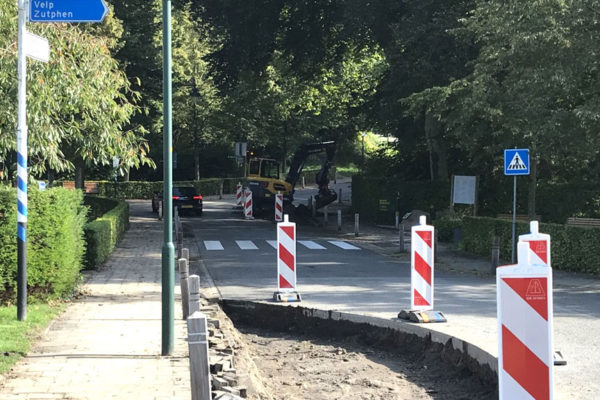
[
  {"x": 238, "y": 194},
  {"x": 286, "y": 262},
  {"x": 539, "y": 245},
  {"x": 248, "y": 204},
  {"x": 525, "y": 314},
  {"x": 421, "y": 262},
  {"x": 278, "y": 207}
]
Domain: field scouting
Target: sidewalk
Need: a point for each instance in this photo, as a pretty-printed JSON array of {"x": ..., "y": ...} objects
[{"x": 107, "y": 344}]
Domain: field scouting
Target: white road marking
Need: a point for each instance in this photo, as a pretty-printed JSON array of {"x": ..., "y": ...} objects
[
  {"x": 343, "y": 245},
  {"x": 246, "y": 245},
  {"x": 213, "y": 245},
  {"x": 309, "y": 244},
  {"x": 272, "y": 243}
]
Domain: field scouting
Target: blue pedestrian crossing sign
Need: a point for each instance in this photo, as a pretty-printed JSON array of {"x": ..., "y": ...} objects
[{"x": 516, "y": 162}]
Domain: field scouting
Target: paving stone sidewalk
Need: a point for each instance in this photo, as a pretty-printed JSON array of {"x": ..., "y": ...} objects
[{"x": 107, "y": 344}]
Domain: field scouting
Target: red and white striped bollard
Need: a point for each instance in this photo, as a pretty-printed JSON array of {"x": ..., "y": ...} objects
[
  {"x": 525, "y": 314},
  {"x": 238, "y": 194},
  {"x": 286, "y": 262},
  {"x": 278, "y": 207},
  {"x": 539, "y": 244},
  {"x": 248, "y": 204},
  {"x": 421, "y": 276}
]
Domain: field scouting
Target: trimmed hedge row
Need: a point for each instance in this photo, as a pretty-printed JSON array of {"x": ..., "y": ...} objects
[
  {"x": 102, "y": 233},
  {"x": 55, "y": 243},
  {"x": 401, "y": 196},
  {"x": 573, "y": 249},
  {"x": 145, "y": 190}
]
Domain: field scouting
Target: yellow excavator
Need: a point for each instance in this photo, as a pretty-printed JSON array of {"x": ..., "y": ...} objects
[{"x": 264, "y": 178}]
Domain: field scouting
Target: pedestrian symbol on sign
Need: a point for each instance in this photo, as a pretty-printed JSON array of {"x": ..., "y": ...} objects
[{"x": 517, "y": 164}]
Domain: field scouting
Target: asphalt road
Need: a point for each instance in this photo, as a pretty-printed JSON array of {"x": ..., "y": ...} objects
[{"x": 242, "y": 263}]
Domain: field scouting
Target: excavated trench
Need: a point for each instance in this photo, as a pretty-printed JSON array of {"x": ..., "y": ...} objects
[{"x": 291, "y": 354}]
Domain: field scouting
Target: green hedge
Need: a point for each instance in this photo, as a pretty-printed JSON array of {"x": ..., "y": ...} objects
[
  {"x": 102, "y": 233},
  {"x": 55, "y": 243},
  {"x": 445, "y": 228},
  {"x": 573, "y": 249},
  {"x": 145, "y": 190},
  {"x": 367, "y": 192}
]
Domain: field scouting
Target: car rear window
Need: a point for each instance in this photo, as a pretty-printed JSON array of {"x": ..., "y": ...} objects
[{"x": 184, "y": 191}]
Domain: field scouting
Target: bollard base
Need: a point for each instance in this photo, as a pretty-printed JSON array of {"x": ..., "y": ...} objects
[
  {"x": 558, "y": 358},
  {"x": 286, "y": 297},
  {"x": 422, "y": 316}
]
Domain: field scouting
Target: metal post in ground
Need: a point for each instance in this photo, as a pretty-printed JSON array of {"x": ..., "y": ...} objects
[
  {"x": 185, "y": 294},
  {"x": 401, "y": 237},
  {"x": 397, "y": 224},
  {"x": 340, "y": 197},
  {"x": 303, "y": 183},
  {"x": 198, "y": 351},
  {"x": 313, "y": 207},
  {"x": 325, "y": 215},
  {"x": 185, "y": 253},
  {"x": 495, "y": 254},
  {"x": 22, "y": 166},
  {"x": 339, "y": 220},
  {"x": 168, "y": 250},
  {"x": 356, "y": 223},
  {"x": 194, "y": 289}
]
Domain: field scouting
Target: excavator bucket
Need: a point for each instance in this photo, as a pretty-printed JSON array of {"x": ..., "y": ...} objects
[{"x": 325, "y": 197}]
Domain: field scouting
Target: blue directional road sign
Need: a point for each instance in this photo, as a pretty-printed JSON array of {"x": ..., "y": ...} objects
[
  {"x": 67, "y": 10},
  {"x": 516, "y": 162}
]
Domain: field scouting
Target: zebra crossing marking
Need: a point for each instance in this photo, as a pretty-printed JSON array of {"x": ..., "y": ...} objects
[
  {"x": 343, "y": 245},
  {"x": 213, "y": 245},
  {"x": 246, "y": 245},
  {"x": 216, "y": 245},
  {"x": 309, "y": 244}
]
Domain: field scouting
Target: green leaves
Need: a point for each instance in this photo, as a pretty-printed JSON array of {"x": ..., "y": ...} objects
[{"x": 79, "y": 104}]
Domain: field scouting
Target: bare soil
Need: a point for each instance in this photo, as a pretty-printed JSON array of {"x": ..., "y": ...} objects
[{"x": 295, "y": 366}]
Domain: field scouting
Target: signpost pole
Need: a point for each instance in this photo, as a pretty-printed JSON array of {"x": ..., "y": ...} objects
[
  {"x": 168, "y": 250},
  {"x": 514, "y": 220},
  {"x": 22, "y": 168}
]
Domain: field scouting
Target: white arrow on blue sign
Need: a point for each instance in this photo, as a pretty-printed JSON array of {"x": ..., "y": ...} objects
[
  {"x": 67, "y": 10},
  {"x": 516, "y": 162}
]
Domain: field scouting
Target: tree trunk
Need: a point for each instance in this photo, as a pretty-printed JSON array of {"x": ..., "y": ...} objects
[
  {"x": 126, "y": 174},
  {"x": 433, "y": 135},
  {"x": 532, "y": 186},
  {"x": 197, "y": 164},
  {"x": 79, "y": 174}
]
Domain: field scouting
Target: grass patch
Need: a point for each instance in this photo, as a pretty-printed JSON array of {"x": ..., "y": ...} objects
[{"x": 16, "y": 336}]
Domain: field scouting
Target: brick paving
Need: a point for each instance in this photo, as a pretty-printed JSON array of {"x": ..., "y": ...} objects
[{"x": 107, "y": 344}]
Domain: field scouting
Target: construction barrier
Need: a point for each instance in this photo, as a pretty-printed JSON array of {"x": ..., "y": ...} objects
[
  {"x": 248, "y": 204},
  {"x": 525, "y": 356},
  {"x": 286, "y": 262},
  {"x": 278, "y": 207},
  {"x": 238, "y": 194},
  {"x": 539, "y": 244},
  {"x": 421, "y": 262},
  {"x": 421, "y": 276}
]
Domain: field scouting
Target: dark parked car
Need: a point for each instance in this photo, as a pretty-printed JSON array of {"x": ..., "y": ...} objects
[{"x": 185, "y": 198}]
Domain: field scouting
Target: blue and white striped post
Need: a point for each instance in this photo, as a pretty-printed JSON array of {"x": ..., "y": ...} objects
[{"x": 22, "y": 169}]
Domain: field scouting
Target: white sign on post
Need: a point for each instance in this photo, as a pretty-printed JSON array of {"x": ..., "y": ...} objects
[
  {"x": 463, "y": 189},
  {"x": 36, "y": 47}
]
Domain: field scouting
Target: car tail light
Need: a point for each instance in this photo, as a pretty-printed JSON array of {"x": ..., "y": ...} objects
[
  {"x": 197, "y": 197},
  {"x": 175, "y": 197}
]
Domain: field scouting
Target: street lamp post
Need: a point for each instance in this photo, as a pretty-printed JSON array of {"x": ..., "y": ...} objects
[{"x": 168, "y": 250}]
